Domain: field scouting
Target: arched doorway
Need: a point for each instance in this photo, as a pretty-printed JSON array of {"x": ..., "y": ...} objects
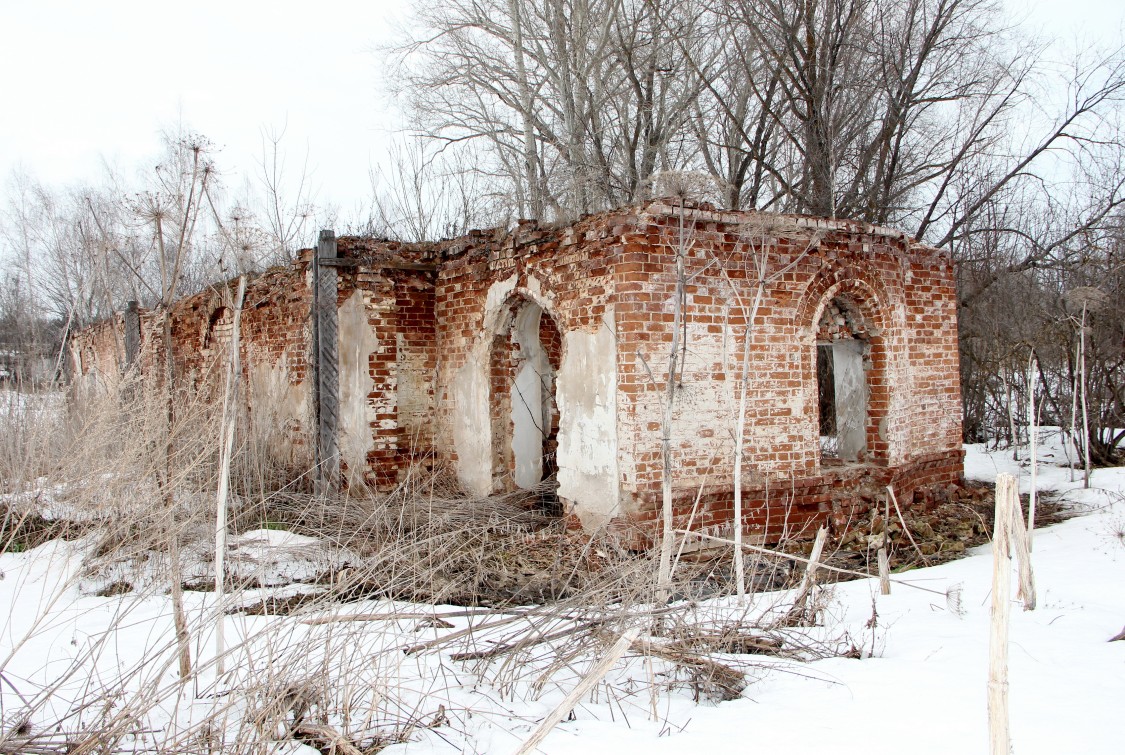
[
  {"x": 523, "y": 362},
  {"x": 843, "y": 363}
]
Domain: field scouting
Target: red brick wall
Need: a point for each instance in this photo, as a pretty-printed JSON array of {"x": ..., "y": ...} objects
[
  {"x": 430, "y": 317},
  {"x": 399, "y": 308},
  {"x": 622, "y": 264},
  {"x": 568, "y": 272},
  {"x": 905, "y": 292}
]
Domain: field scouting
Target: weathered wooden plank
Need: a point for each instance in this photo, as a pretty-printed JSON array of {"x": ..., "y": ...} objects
[
  {"x": 327, "y": 366},
  {"x": 999, "y": 741},
  {"x": 132, "y": 334}
]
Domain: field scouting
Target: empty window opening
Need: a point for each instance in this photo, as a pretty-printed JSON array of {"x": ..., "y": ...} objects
[
  {"x": 826, "y": 401},
  {"x": 842, "y": 390}
]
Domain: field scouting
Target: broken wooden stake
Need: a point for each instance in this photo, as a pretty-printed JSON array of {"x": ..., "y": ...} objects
[
  {"x": 1021, "y": 544},
  {"x": 595, "y": 675},
  {"x": 884, "y": 572},
  {"x": 808, "y": 581}
]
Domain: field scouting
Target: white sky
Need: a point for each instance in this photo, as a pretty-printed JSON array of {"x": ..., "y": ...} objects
[
  {"x": 85, "y": 81},
  {"x": 82, "y": 82}
]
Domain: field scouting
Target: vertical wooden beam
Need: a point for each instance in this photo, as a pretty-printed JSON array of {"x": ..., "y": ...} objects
[
  {"x": 999, "y": 742},
  {"x": 1021, "y": 545},
  {"x": 884, "y": 569},
  {"x": 327, "y": 366},
  {"x": 132, "y": 334}
]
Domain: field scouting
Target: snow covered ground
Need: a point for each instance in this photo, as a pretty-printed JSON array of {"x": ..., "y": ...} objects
[{"x": 920, "y": 687}]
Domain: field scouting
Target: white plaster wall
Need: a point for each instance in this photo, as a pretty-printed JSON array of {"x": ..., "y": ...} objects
[
  {"x": 850, "y": 379},
  {"x": 532, "y": 398},
  {"x": 412, "y": 398},
  {"x": 527, "y": 420},
  {"x": 472, "y": 427},
  {"x": 357, "y": 342},
  {"x": 277, "y": 406},
  {"x": 586, "y": 391}
]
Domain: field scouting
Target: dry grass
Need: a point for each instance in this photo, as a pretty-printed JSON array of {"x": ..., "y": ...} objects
[{"x": 407, "y": 600}]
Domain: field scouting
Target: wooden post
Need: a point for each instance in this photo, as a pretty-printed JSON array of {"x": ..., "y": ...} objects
[
  {"x": 1032, "y": 439},
  {"x": 884, "y": 572},
  {"x": 132, "y": 334},
  {"x": 999, "y": 743},
  {"x": 327, "y": 366},
  {"x": 1020, "y": 539}
]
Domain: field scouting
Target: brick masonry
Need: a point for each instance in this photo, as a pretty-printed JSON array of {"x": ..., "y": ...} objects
[{"x": 512, "y": 353}]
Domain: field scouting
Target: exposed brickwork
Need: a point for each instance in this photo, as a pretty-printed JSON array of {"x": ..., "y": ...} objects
[{"x": 441, "y": 356}]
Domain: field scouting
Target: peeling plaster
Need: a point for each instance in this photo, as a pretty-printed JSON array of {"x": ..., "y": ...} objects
[
  {"x": 356, "y": 343},
  {"x": 277, "y": 408},
  {"x": 494, "y": 302},
  {"x": 587, "y": 396},
  {"x": 413, "y": 398},
  {"x": 472, "y": 426}
]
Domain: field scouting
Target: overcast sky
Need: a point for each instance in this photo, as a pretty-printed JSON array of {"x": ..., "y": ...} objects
[{"x": 86, "y": 82}]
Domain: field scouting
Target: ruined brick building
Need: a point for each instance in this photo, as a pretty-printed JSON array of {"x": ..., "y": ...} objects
[{"x": 515, "y": 355}]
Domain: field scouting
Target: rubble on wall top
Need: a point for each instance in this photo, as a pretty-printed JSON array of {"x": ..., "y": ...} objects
[
  {"x": 610, "y": 223},
  {"x": 704, "y": 211}
]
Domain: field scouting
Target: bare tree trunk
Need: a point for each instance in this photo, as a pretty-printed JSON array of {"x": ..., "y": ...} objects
[
  {"x": 530, "y": 156},
  {"x": 179, "y": 618},
  {"x": 739, "y": 434},
  {"x": 1013, "y": 436},
  {"x": 1074, "y": 416}
]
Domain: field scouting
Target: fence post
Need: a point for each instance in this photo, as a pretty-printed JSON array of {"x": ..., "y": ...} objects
[
  {"x": 999, "y": 743},
  {"x": 132, "y": 334},
  {"x": 326, "y": 362}
]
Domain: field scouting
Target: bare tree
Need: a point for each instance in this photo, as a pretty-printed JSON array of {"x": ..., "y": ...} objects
[
  {"x": 425, "y": 193},
  {"x": 173, "y": 210},
  {"x": 574, "y": 104},
  {"x": 287, "y": 203}
]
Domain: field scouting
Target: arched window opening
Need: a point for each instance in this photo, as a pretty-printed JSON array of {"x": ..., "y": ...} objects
[
  {"x": 220, "y": 327},
  {"x": 842, "y": 362}
]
